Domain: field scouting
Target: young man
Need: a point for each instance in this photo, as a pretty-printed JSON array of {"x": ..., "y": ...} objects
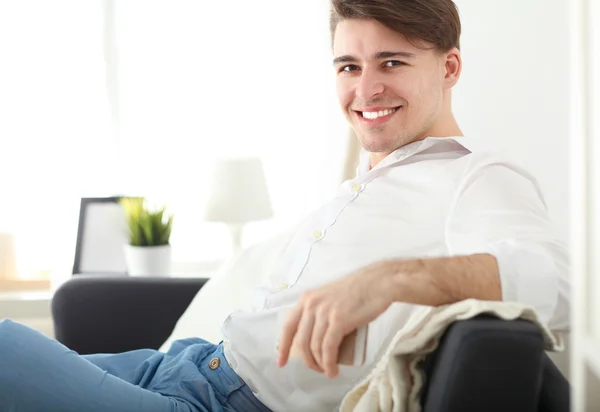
[{"x": 428, "y": 220}]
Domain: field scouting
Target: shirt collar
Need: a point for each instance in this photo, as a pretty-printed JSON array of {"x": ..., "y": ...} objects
[{"x": 410, "y": 149}]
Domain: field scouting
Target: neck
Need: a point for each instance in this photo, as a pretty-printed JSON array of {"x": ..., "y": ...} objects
[{"x": 446, "y": 126}]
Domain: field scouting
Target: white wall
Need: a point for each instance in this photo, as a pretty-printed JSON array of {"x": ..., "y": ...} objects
[
  {"x": 514, "y": 91},
  {"x": 514, "y": 88}
]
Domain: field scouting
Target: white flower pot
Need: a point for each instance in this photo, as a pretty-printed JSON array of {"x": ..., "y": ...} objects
[{"x": 148, "y": 260}]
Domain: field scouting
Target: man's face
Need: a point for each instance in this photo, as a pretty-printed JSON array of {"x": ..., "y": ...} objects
[{"x": 389, "y": 90}]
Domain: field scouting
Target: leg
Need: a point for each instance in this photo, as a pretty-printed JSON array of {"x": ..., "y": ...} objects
[
  {"x": 39, "y": 374},
  {"x": 188, "y": 371},
  {"x": 193, "y": 371},
  {"x": 137, "y": 367},
  {"x": 145, "y": 367}
]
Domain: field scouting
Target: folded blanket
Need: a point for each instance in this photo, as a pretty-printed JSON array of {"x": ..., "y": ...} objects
[{"x": 389, "y": 389}]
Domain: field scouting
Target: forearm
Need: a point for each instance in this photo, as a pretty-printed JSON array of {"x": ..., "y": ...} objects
[{"x": 440, "y": 281}]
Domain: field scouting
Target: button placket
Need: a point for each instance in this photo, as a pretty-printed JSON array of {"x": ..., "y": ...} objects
[
  {"x": 214, "y": 363},
  {"x": 331, "y": 214}
]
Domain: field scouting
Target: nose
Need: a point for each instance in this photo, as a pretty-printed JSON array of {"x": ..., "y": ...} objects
[{"x": 369, "y": 85}]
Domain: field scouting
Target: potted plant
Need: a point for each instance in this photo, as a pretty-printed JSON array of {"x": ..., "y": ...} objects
[{"x": 148, "y": 251}]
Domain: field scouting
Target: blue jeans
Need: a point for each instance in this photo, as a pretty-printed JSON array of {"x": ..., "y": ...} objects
[{"x": 40, "y": 374}]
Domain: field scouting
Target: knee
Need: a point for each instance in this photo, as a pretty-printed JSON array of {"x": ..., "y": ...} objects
[
  {"x": 12, "y": 341},
  {"x": 6, "y": 325},
  {"x": 10, "y": 346},
  {"x": 8, "y": 330}
]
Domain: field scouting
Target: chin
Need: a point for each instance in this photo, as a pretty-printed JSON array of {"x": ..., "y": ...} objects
[
  {"x": 377, "y": 142},
  {"x": 373, "y": 146}
]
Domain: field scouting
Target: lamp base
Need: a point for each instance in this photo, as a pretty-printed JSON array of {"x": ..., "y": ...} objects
[{"x": 236, "y": 237}]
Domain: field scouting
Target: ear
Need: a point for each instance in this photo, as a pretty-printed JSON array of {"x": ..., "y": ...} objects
[{"x": 453, "y": 67}]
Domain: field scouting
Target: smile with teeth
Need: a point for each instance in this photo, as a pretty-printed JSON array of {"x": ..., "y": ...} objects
[{"x": 378, "y": 114}]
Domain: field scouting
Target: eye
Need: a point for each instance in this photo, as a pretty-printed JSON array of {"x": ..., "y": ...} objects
[
  {"x": 349, "y": 68},
  {"x": 394, "y": 63}
]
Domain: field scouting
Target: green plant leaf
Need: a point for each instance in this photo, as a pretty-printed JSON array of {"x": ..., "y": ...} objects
[
  {"x": 166, "y": 234},
  {"x": 146, "y": 227}
]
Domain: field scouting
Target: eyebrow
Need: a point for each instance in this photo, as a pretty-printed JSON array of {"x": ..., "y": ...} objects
[{"x": 377, "y": 56}]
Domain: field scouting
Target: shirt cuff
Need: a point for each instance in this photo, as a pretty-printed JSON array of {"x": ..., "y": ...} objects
[{"x": 528, "y": 275}]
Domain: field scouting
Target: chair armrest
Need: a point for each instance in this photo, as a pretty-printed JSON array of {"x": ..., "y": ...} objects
[
  {"x": 112, "y": 314},
  {"x": 555, "y": 395},
  {"x": 485, "y": 364}
]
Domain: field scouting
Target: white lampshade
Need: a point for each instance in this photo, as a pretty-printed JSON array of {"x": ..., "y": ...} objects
[{"x": 239, "y": 192}]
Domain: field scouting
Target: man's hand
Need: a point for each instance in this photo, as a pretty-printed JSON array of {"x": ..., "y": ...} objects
[{"x": 323, "y": 317}]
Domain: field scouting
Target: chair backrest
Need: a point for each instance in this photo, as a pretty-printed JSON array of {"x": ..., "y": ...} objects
[{"x": 113, "y": 314}]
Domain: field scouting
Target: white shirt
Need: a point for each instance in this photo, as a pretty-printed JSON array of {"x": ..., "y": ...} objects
[{"x": 431, "y": 198}]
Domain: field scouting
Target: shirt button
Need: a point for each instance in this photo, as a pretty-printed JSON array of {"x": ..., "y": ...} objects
[
  {"x": 317, "y": 234},
  {"x": 214, "y": 363},
  {"x": 283, "y": 286},
  {"x": 356, "y": 187}
]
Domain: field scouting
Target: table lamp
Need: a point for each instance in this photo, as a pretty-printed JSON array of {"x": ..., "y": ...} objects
[{"x": 238, "y": 195}]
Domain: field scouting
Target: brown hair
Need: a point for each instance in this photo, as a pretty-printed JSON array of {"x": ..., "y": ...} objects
[{"x": 434, "y": 21}]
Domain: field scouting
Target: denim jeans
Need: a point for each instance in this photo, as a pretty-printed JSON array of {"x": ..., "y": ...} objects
[{"x": 40, "y": 374}]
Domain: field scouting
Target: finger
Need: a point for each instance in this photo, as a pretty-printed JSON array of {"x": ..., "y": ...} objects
[
  {"x": 287, "y": 334},
  {"x": 331, "y": 346},
  {"x": 302, "y": 340},
  {"x": 316, "y": 340}
]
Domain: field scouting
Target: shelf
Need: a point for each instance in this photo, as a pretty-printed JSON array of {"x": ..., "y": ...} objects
[
  {"x": 28, "y": 304},
  {"x": 25, "y": 284}
]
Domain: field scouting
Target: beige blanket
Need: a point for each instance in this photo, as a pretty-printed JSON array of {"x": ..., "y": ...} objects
[{"x": 395, "y": 382}]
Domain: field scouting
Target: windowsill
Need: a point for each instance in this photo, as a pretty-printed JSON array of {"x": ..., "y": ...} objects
[
  {"x": 23, "y": 295},
  {"x": 25, "y": 304},
  {"x": 31, "y": 298}
]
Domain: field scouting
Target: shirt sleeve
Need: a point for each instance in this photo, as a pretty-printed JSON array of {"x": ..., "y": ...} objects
[{"x": 499, "y": 209}]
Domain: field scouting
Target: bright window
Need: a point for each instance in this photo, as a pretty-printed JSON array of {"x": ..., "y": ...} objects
[
  {"x": 194, "y": 81},
  {"x": 55, "y": 140}
]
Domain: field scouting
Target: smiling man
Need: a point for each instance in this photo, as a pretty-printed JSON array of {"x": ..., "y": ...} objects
[
  {"x": 435, "y": 219},
  {"x": 429, "y": 219}
]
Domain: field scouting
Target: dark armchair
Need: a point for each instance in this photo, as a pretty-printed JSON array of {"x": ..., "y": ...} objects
[{"x": 482, "y": 364}]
